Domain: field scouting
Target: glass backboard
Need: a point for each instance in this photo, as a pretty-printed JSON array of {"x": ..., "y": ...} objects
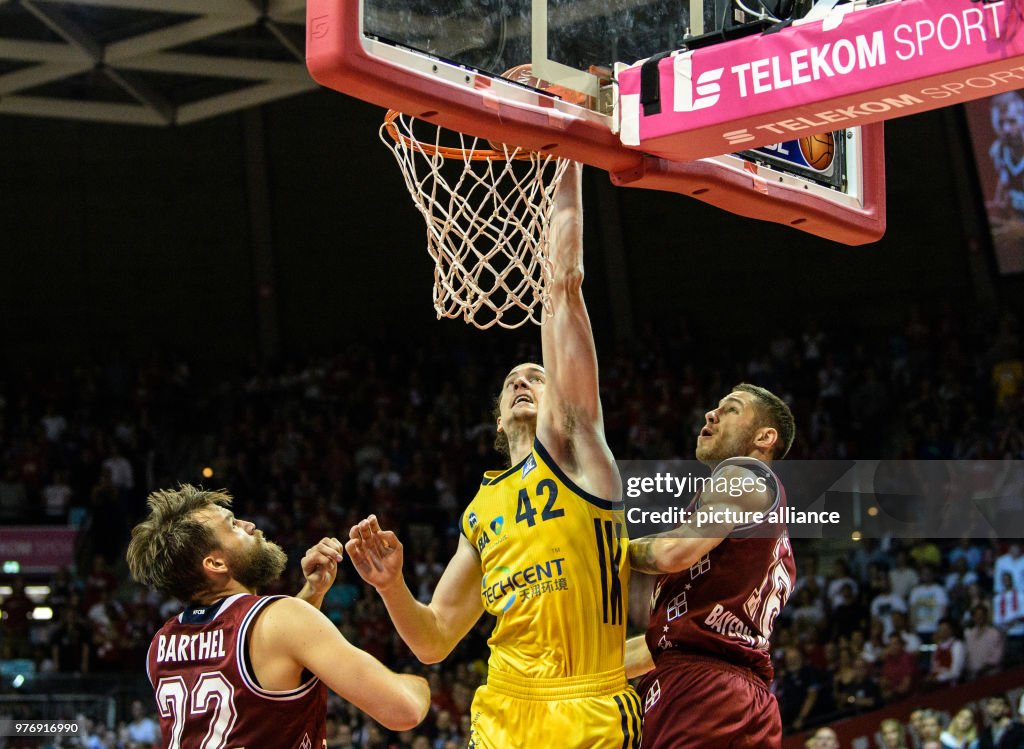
[{"x": 564, "y": 40}]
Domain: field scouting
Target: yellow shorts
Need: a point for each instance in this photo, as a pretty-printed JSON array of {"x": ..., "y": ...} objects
[{"x": 600, "y": 711}]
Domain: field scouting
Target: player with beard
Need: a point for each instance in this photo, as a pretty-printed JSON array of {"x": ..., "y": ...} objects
[
  {"x": 239, "y": 669},
  {"x": 719, "y": 590}
]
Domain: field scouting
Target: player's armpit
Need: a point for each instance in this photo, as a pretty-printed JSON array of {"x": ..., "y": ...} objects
[
  {"x": 293, "y": 630},
  {"x": 638, "y": 657}
]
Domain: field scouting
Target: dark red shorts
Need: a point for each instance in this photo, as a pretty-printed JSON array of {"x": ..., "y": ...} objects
[{"x": 692, "y": 702}]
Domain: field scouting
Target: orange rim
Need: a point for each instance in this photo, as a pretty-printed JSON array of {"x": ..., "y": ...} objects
[{"x": 447, "y": 152}]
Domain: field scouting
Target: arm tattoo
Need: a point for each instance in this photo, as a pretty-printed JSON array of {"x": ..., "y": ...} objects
[{"x": 641, "y": 556}]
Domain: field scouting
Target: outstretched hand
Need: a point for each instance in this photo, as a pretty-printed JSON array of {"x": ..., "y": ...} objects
[
  {"x": 320, "y": 565},
  {"x": 376, "y": 554}
]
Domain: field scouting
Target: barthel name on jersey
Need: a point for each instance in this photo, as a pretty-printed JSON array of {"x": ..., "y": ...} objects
[{"x": 197, "y": 647}]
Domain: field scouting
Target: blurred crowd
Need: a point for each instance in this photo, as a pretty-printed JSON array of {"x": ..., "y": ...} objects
[
  {"x": 308, "y": 448},
  {"x": 991, "y": 723}
]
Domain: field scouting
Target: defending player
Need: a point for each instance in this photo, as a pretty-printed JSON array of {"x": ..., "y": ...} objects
[
  {"x": 239, "y": 669},
  {"x": 542, "y": 546},
  {"x": 715, "y": 602}
]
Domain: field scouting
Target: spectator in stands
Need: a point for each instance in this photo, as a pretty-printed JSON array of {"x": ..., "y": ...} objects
[
  {"x": 57, "y": 496},
  {"x": 848, "y": 616},
  {"x": 862, "y": 694},
  {"x": 873, "y": 651},
  {"x": 902, "y": 577},
  {"x": 961, "y": 733},
  {"x": 839, "y": 579},
  {"x": 926, "y": 554},
  {"x": 891, "y": 735},
  {"x": 1008, "y": 616},
  {"x": 445, "y": 730},
  {"x": 898, "y": 672},
  {"x": 13, "y": 497},
  {"x": 914, "y": 726},
  {"x": 885, "y": 604},
  {"x": 948, "y": 658},
  {"x": 899, "y": 626},
  {"x": 122, "y": 476},
  {"x": 15, "y": 618},
  {"x": 927, "y": 602},
  {"x": 930, "y": 728},
  {"x": 799, "y": 691},
  {"x": 808, "y": 577},
  {"x": 808, "y": 609},
  {"x": 960, "y": 575},
  {"x": 1011, "y": 562},
  {"x": 71, "y": 643},
  {"x": 968, "y": 551},
  {"x": 983, "y": 644},
  {"x": 341, "y": 738},
  {"x": 843, "y": 675},
  {"x": 1001, "y": 730},
  {"x": 62, "y": 587},
  {"x": 825, "y": 738},
  {"x": 142, "y": 729}
]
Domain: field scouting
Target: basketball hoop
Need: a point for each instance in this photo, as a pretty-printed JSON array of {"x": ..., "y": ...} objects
[{"x": 487, "y": 208}]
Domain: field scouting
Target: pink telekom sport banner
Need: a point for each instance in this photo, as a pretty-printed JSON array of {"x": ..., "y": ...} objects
[{"x": 855, "y": 66}]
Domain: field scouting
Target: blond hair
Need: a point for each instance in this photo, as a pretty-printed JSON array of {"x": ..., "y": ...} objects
[{"x": 167, "y": 548}]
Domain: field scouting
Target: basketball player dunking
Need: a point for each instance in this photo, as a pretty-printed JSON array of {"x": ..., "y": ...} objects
[
  {"x": 715, "y": 602},
  {"x": 541, "y": 547}
]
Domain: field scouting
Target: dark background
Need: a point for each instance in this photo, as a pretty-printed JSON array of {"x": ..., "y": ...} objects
[{"x": 125, "y": 240}]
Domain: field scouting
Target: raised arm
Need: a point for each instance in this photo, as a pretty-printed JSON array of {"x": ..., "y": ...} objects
[
  {"x": 292, "y": 635},
  {"x": 430, "y": 630},
  {"x": 570, "y": 423},
  {"x": 683, "y": 546}
]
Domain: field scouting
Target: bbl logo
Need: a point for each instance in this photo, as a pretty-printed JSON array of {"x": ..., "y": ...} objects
[{"x": 472, "y": 520}]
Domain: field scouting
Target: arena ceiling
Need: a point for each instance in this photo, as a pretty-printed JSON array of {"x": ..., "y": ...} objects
[{"x": 148, "y": 62}]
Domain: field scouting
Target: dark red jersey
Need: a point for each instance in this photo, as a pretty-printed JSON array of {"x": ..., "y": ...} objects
[
  {"x": 725, "y": 605},
  {"x": 207, "y": 694}
]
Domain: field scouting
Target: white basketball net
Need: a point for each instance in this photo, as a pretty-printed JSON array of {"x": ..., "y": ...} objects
[{"x": 487, "y": 209}]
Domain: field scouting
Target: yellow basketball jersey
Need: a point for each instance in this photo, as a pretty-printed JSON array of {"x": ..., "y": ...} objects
[{"x": 555, "y": 566}]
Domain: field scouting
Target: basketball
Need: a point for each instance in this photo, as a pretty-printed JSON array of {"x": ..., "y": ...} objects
[{"x": 818, "y": 150}]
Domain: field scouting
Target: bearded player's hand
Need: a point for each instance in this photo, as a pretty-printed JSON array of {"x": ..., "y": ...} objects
[
  {"x": 376, "y": 554},
  {"x": 320, "y": 564}
]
